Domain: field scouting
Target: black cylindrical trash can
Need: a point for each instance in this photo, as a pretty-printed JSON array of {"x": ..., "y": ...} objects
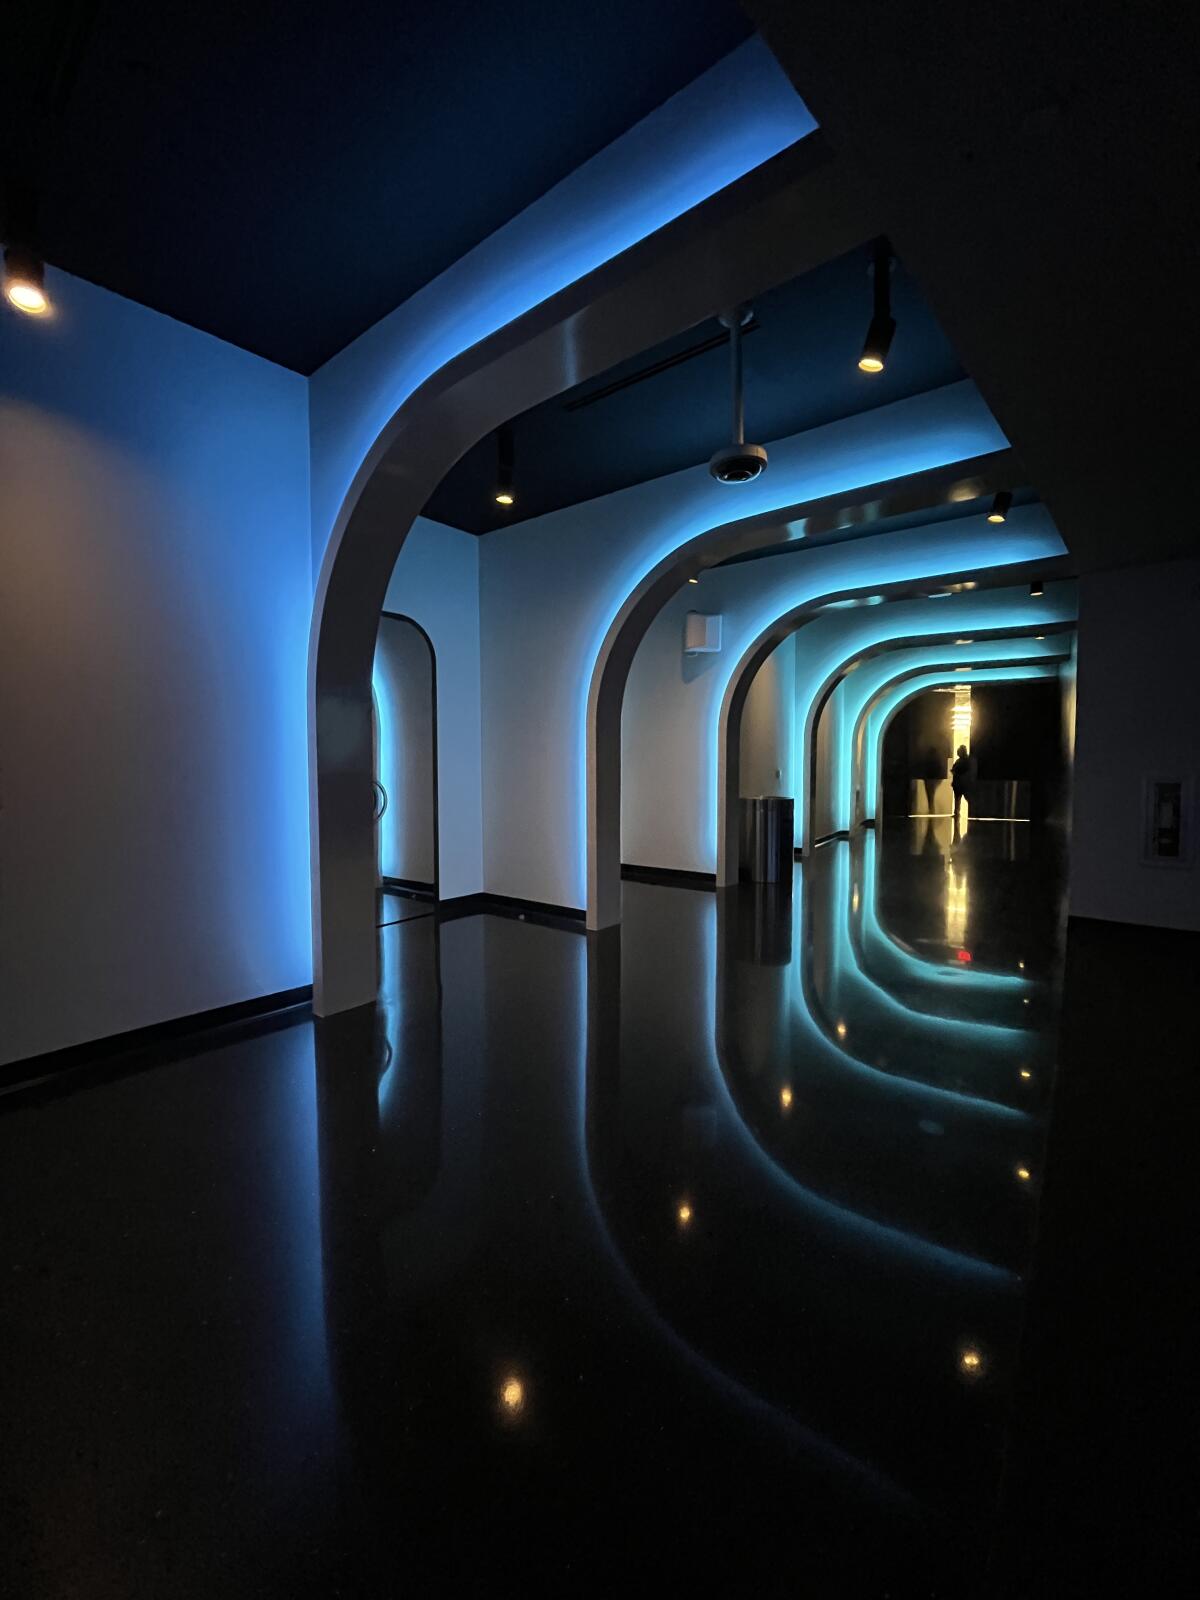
[{"x": 767, "y": 838}]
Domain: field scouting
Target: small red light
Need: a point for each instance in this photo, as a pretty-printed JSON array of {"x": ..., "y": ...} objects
[{"x": 964, "y": 955}]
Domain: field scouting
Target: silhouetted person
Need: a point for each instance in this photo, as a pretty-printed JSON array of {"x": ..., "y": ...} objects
[
  {"x": 960, "y": 779},
  {"x": 933, "y": 770}
]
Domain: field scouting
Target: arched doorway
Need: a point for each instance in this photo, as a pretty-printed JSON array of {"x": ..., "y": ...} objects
[
  {"x": 405, "y": 687},
  {"x": 748, "y": 237}
]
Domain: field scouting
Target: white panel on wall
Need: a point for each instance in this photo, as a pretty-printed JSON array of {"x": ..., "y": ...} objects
[{"x": 701, "y": 634}]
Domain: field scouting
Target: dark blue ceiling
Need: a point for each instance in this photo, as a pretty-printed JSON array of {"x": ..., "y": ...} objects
[
  {"x": 801, "y": 366},
  {"x": 282, "y": 173}
]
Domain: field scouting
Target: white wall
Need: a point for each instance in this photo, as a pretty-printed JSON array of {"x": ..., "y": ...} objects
[
  {"x": 436, "y": 582},
  {"x": 155, "y": 591},
  {"x": 403, "y": 683},
  {"x": 1139, "y": 664}
]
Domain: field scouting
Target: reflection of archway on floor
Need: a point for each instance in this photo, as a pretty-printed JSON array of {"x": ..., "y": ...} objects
[{"x": 782, "y": 219}]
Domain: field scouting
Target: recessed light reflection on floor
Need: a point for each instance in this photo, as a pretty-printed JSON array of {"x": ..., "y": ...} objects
[
  {"x": 785, "y": 1098},
  {"x": 972, "y": 1362},
  {"x": 683, "y": 1214},
  {"x": 841, "y": 1030},
  {"x": 512, "y": 1397}
]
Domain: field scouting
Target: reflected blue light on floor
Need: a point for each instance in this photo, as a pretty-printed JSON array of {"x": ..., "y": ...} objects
[
  {"x": 866, "y": 1230},
  {"x": 862, "y": 994},
  {"x": 778, "y": 1419},
  {"x": 905, "y": 963}
]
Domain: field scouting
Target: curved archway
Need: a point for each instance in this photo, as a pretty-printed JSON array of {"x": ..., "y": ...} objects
[
  {"x": 892, "y": 699},
  {"x": 921, "y": 570},
  {"x": 745, "y": 239},
  {"x": 869, "y": 672},
  {"x": 413, "y": 851},
  {"x": 850, "y": 516}
]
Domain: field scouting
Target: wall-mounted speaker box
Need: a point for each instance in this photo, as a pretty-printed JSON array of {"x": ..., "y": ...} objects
[{"x": 701, "y": 634}]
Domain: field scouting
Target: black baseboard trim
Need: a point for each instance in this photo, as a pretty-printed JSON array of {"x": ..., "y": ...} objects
[
  {"x": 163, "y": 1041},
  {"x": 570, "y": 918},
  {"x": 412, "y": 887},
  {"x": 669, "y": 877}
]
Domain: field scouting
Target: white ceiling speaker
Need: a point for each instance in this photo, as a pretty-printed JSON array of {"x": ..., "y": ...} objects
[{"x": 738, "y": 462}]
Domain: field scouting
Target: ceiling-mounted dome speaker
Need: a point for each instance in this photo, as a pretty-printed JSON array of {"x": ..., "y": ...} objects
[{"x": 738, "y": 462}]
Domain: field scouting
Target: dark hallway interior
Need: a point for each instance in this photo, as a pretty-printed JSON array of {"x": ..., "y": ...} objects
[{"x": 599, "y": 800}]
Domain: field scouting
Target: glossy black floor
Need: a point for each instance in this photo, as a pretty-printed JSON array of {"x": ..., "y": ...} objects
[{"x": 704, "y": 1257}]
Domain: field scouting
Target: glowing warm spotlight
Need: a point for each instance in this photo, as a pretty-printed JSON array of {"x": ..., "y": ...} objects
[
  {"x": 785, "y": 1098},
  {"x": 683, "y": 1214},
  {"x": 841, "y": 1030},
  {"x": 504, "y": 495},
  {"x": 971, "y": 1362},
  {"x": 883, "y": 325},
  {"x": 1001, "y": 506},
  {"x": 24, "y": 282},
  {"x": 1026, "y": 1074},
  {"x": 512, "y": 1396},
  {"x": 1024, "y": 1174},
  {"x": 693, "y": 580}
]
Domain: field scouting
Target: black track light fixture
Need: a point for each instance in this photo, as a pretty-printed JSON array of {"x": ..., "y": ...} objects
[
  {"x": 1001, "y": 505},
  {"x": 504, "y": 496},
  {"x": 737, "y": 462},
  {"x": 883, "y": 325},
  {"x": 1036, "y": 589}
]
